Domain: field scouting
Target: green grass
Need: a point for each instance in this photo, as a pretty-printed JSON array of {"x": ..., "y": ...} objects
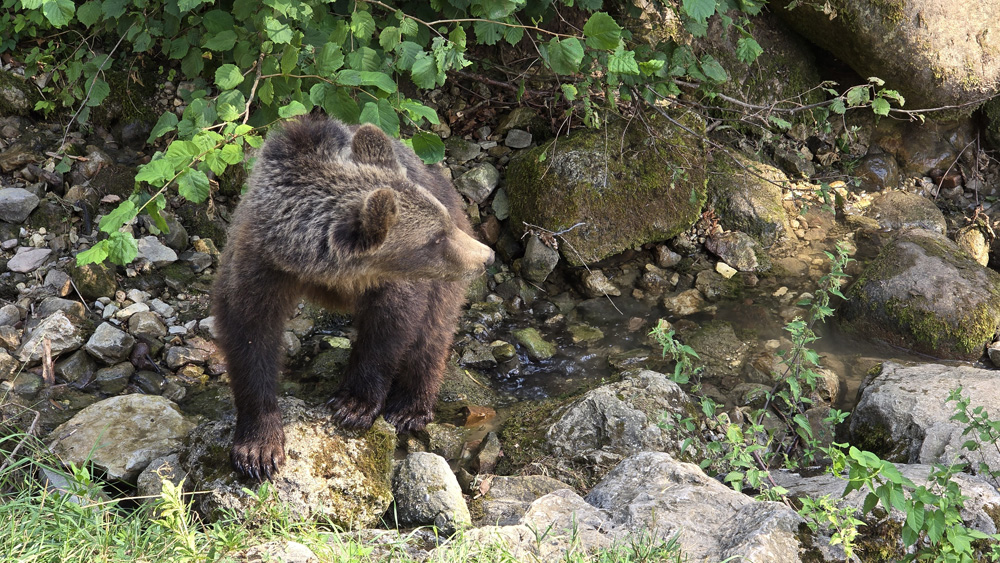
[{"x": 78, "y": 523}]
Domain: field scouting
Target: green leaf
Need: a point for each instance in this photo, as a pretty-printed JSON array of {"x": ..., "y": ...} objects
[
  {"x": 94, "y": 255},
  {"x": 779, "y": 123},
  {"x": 188, "y": 5},
  {"x": 602, "y": 32},
  {"x": 747, "y": 50},
  {"x": 428, "y": 147},
  {"x": 382, "y": 114},
  {"x": 193, "y": 64},
  {"x": 564, "y": 56},
  {"x": 339, "y": 103},
  {"x": 122, "y": 248},
  {"x": 623, "y": 62},
  {"x": 488, "y": 33},
  {"x": 118, "y": 217},
  {"x": 698, "y": 10},
  {"x": 838, "y": 106},
  {"x": 231, "y": 154},
  {"x": 406, "y": 53},
  {"x": 89, "y": 12},
  {"x": 222, "y": 41},
  {"x": 165, "y": 124},
  {"x": 389, "y": 38},
  {"x": 193, "y": 185},
  {"x": 418, "y": 111},
  {"x": 98, "y": 92},
  {"x": 228, "y": 76},
  {"x": 58, "y": 12},
  {"x": 289, "y": 58},
  {"x": 857, "y": 95},
  {"x": 457, "y": 37},
  {"x": 569, "y": 92},
  {"x": 266, "y": 92},
  {"x": 880, "y": 106},
  {"x": 712, "y": 69},
  {"x": 217, "y": 21},
  {"x": 365, "y": 78},
  {"x": 113, "y": 9},
  {"x": 362, "y": 25},
  {"x": 329, "y": 59},
  {"x": 292, "y": 109},
  {"x": 424, "y": 72},
  {"x": 277, "y": 31},
  {"x": 408, "y": 26}
]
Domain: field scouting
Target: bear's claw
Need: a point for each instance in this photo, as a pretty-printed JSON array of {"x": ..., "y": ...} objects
[
  {"x": 258, "y": 460},
  {"x": 351, "y": 412},
  {"x": 408, "y": 419}
]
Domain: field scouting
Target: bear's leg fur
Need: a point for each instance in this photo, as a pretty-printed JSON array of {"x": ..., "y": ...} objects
[
  {"x": 384, "y": 320},
  {"x": 410, "y": 404},
  {"x": 251, "y": 306}
]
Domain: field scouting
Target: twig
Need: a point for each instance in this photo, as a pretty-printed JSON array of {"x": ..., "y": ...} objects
[
  {"x": 953, "y": 163},
  {"x": 30, "y": 432}
]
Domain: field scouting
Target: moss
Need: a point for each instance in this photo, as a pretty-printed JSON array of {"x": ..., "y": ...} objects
[
  {"x": 879, "y": 541},
  {"x": 129, "y": 100},
  {"x": 933, "y": 334},
  {"x": 876, "y": 438},
  {"x": 17, "y": 97},
  {"x": 523, "y": 435}
]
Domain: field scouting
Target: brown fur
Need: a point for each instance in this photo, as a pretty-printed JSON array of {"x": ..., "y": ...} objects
[{"x": 353, "y": 220}]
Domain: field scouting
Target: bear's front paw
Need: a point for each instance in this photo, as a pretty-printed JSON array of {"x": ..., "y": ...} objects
[
  {"x": 351, "y": 412},
  {"x": 407, "y": 418},
  {"x": 259, "y": 455}
]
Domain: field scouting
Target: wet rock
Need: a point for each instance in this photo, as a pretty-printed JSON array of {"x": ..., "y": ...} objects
[
  {"x": 63, "y": 336},
  {"x": 335, "y": 474},
  {"x": 534, "y": 343},
  {"x": 517, "y": 139},
  {"x": 96, "y": 161},
  {"x": 596, "y": 284},
  {"x": 178, "y": 356},
  {"x": 25, "y": 384},
  {"x": 912, "y": 424},
  {"x": 900, "y": 210},
  {"x": 60, "y": 281},
  {"x": 877, "y": 171},
  {"x": 445, "y": 440},
  {"x": 290, "y": 343},
  {"x": 427, "y": 493},
  {"x": 489, "y": 453},
  {"x": 621, "y": 203},
  {"x": 738, "y": 250},
  {"x": 478, "y": 183},
  {"x": 94, "y": 280},
  {"x": 78, "y": 367},
  {"x": 121, "y": 435},
  {"x": 474, "y": 415},
  {"x": 666, "y": 258},
  {"x": 685, "y": 303},
  {"x": 508, "y": 498},
  {"x": 922, "y": 292},
  {"x": 15, "y": 157},
  {"x": 10, "y": 338},
  {"x": 618, "y": 420},
  {"x": 655, "y": 280},
  {"x": 503, "y": 351},
  {"x": 478, "y": 356},
  {"x": 715, "y": 287},
  {"x": 177, "y": 236},
  {"x": 539, "y": 260},
  {"x": 16, "y": 204},
  {"x": 109, "y": 344},
  {"x": 151, "y": 249},
  {"x": 721, "y": 352},
  {"x": 28, "y": 259},
  {"x": 150, "y": 382},
  {"x": 921, "y": 148},
  {"x": 150, "y": 481},
  {"x": 652, "y": 492},
  {"x": 113, "y": 380},
  {"x": 585, "y": 333}
]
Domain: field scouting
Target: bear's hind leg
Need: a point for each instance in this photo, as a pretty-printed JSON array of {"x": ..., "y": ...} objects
[{"x": 384, "y": 321}]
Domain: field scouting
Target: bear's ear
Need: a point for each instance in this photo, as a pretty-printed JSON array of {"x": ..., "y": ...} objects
[
  {"x": 371, "y": 146},
  {"x": 378, "y": 215}
]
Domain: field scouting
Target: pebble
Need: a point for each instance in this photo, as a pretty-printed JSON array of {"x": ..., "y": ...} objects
[
  {"x": 518, "y": 139},
  {"x": 28, "y": 259}
]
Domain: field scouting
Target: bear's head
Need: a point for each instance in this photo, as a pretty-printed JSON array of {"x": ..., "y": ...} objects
[{"x": 401, "y": 228}]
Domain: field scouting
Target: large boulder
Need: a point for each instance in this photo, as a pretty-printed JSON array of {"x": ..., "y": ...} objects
[
  {"x": 934, "y": 52},
  {"x": 904, "y": 416},
  {"x": 625, "y": 185},
  {"x": 924, "y": 293}
]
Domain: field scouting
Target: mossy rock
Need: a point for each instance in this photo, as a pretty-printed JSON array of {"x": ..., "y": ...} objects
[
  {"x": 628, "y": 184},
  {"x": 746, "y": 197},
  {"x": 924, "y": 293},
  {"x": 129, "y": 101},
  {"x": 93, "y": 280},
  {"x": 17, "y": 96}
]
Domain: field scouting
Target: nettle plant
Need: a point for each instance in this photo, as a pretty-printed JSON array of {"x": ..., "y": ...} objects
[{"x": 254, "y": 62}]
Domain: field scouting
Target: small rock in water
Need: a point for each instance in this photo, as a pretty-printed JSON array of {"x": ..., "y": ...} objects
[
  {"x": 685, "y": 303},
  {"x": 726, "y": 270},
  {"x": 596, "y": 284},
  {"x": 537, "y": 347}
]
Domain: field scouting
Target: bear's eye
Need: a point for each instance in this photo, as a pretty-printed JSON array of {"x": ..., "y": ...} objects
[{"x": 438, "y": 238}]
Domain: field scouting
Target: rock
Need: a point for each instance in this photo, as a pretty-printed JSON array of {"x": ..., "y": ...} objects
[
  {"x": 60, "y": 281},
  {"x": 427, "y": 493},
  {"x": 290, "y": 343},
  {"x": 508, "y": 498},
  {"x": 922, "y": 292},
  {"x": 490, "y": 451},
  {"x": 283, "y": 551},
  {"x": 570, "y": 522},
  {"x": 158, "y": 254},
  {"x": 619, "y": 419},
  {"x": 916, "y": 46},
  {"x": 794, "y": 163},
  {"x": 10, "y": 338},
  {"x": 596, "y": 284},
  {"x": 715, "y": 287},
  {"x": 178, "y": 356},
  {"x": 62, "y": 334},
  {"x": 16, "y": 157},
  {"x": 109, "y": 344},
  {"x": 534, "y": 344},
  {"x": 738, "y": 250},
  {"x": 539, "y": 260},
  {"x": 478, "y": 355},
  {"x": 445, "y": 440},
  {"x": 650, "y": 492},
  {"x": 72, "y": 309},
  {"x": 150, "y": 382},
  {"x": 877, "y": 171},
  {"x": 150, "y": 481},
  {"x": 166, "y": 311},
  {"x": 725, "y": 270},
  {"x": 9, "y": 315},
  {"x": 972, "y": 240},
  {"x": 720, "y": 352},
  {"x": 685, "y": 303},
  {"x": 93, "y": 280},
  {"x": 501, "y": 204},
  {"x": 912, "y": 424},
  {"x": 517, "y": 139},
  {"x": 340, "y": 475},
  {"x": 666, "y": 258},
  {"x": 478, "y": 183},
  {"x": 461, "y": 151},
  {"x": 899, "y": 210},
  {"x": 113, "y": 380},
  {"x": 16, "y": 204},
  {"x": 621, "y": 202},
  {"x": 121, "y": 435},
  {"x": 146, "y": 325},
  {"x": 28, "y": 259},
  {"x": 584, "y": 333},
  {"x": 78, "y": 367}
]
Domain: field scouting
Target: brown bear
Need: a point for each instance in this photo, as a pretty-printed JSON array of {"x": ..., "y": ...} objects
[{"x": 354, "y": 221}]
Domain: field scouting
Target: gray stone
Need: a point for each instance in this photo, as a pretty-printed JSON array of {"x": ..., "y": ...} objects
[
  {"x": 161, "y": 308},
  {"x": 16, "y": 204},
  {"x": 109, "y": 344},
  {"x": 9, "y": 315},
  {"x": 62, "y": 334},
  {"x": 685, "y": 303},
  {"x": 478, "y": 183},
  {"x": 517, "y": 139},
  {"x": 539, "y": 260},
  {"x": 79, "y": 366},
  {"x": 427, "y": 493},
  {"x": 899, "y": 210},
  {"x": 146, "y": 325},
  {"x": 652, "y": 493},
  {"x": 121, "y": 435},
  {"x": 150, "y": 382},
  {"x": 478, "y": 355},
  {"x": 794, "y": 163},
  {"x": 596, "y": 284},
  {"x": 746, "y": 198},
  {"x": 489, "y": 453},
  {"x": 569, "y": 522},
  {"x": 501, "y": 204},
  {"x": 343, "y": 476},
  {"x": 878, "y": 171},
  {"x": 178, "y": 356},
  {"x": 59, "y": 280},
  {"x": 50, "y": 305},
  {"x": 150, "y": 481},
  {"x": 508, "y": 498},
  {"x": 10, "y": 338},
  {"x": 738, "y": 250},
  {"x": 112, "y": 380},
  {"x": 28, "y": 259},
  {"x": 158, "y": 254},
  {"x": 461, "y": 151}
]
